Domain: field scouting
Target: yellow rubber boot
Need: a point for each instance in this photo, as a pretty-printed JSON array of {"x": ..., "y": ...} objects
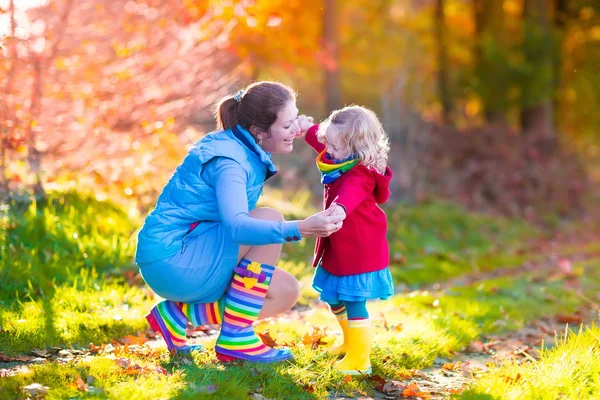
[
  {"x": 358, "y": 357},
  {"x": 339, "y": 350}
]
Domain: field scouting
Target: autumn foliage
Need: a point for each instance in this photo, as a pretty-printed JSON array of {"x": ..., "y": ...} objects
[{"x": 488, "y": 105}]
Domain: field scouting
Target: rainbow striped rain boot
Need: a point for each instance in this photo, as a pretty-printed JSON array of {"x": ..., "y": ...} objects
[
  {"x": 170, "y": 319},
  {"x": 243, "y": 302}
]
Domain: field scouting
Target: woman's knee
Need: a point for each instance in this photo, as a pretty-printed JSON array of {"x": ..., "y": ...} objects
[
  {"x": 267, "y": 213},
  {"x": 285, "y": 287}
]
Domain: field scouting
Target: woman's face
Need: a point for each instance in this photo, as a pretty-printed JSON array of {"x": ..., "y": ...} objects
[{"x": 283, "y": 131}]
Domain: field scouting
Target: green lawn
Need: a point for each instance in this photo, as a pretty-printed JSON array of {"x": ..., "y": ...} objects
[{"x": 67, "y": 280}]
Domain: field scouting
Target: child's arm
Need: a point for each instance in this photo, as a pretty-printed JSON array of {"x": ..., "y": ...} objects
[
  {"x": 355, "y": 189},
  {"x": 311, "y": 139}
]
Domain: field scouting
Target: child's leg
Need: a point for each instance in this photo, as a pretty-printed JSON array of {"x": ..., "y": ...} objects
[
  {"x": 357, "y": 310},
  {"x": 339, "y": 310},
  {"x": 357, "y": 360}
]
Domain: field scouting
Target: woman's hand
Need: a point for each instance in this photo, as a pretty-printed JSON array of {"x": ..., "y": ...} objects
[
  {"x": 304, "y": 122},
  {"x": 337, "y": 209},
  {"x": 324, "y": 223}
]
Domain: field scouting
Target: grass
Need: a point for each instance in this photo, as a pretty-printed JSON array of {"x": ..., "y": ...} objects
[
  {"x": 411, "y": 332},
  {"x": 67, "y": 269},
  {"x": 437, "y": 241},
  {"x": 63, "y": 272},
  {"x": 569, "y": 370}
]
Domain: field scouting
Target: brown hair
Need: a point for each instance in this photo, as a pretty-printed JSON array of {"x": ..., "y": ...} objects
[{"x": 258, "y": 106}]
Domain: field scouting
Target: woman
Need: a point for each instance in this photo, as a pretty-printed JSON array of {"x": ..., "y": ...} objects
[{"x": 205, "y": 228}]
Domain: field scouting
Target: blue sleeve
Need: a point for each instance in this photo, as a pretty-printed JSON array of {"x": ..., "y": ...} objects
[{"x": 229, "y": 181}]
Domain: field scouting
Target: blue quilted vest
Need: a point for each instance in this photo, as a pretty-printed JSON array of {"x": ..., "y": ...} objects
[{"x": 187, "y": 199}]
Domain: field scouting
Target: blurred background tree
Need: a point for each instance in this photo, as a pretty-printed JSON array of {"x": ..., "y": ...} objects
[{"x": 491, "y": 103}]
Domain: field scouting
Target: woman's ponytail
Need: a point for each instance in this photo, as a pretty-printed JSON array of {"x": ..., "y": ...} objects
[{"x": 227, "y": 113}]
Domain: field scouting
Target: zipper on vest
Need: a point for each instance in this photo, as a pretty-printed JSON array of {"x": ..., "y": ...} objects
[{"x": 183, "y": 241}]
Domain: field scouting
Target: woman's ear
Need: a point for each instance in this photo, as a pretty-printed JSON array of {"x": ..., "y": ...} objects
[{"x": 256, "y": 132}]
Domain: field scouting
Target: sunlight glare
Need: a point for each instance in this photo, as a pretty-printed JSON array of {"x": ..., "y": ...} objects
[{"x": 21, "y": 19}]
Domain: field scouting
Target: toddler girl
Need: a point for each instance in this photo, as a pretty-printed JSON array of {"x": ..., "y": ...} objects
[{"x": 352, "y": 264}]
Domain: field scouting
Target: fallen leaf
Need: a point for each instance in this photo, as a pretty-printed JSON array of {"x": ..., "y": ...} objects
[
  {"x": 109, "y": 348},
  {"x": 40, "y": 353},
  {"x": 378, "y": 382},
  {"x": 309, "y": 387},
  {"x": 122, "y": 349},
  {"x": 133, "y": 278},
  {"x": 466, "y": 369},
  {"x": 139, "y": 339},
  {"x": 80, "y": 384},
  {"x": 393, "y": 388},
  {"x": 456, "y": 391},
  {"x": 385, "y": 324},
  {"x": 35, "y": 389},
  {"x": 65, "y": 353},
  {"x": 267, "y": 339},
  {"x": 315, "y": 339},
  {"x": 510, "y": 379},
  {"x": 4, "y": 358},
  {"x": 160, "y": 370},
  {"x": 197, "y": 331},
  {"x": 476, "y": 346},
  {"x": 414, "y": 390},
  {"x": 122, "y": 362},
  {"x": 569, "y": 319},
  {"x": 133, "y": 369},
  {"x": 451, "y": 366}
]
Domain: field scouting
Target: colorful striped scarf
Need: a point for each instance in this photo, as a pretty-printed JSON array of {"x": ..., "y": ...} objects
[{"x": 332, "y": 169}]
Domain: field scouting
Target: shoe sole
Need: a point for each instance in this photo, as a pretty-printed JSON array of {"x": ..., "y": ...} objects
[
  {"x": 228, "y": 356},
  {"x": 368, "y": 371}
]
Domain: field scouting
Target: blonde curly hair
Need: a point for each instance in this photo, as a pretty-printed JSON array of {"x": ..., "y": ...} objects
[{"x": 361, "y": 133}]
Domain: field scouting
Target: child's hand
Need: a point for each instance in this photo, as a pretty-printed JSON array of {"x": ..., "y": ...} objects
[{"x": 304, "y": 123}]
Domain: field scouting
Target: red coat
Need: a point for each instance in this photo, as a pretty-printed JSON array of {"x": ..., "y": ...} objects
[{"x": 361, "y": 245}]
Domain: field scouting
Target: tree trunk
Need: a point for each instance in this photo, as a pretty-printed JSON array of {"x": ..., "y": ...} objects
[
  {"x": 33, "y": 155},
  {"x": 7, "y": 131},
  {"x": 561, "y": 14},
  {"x": 489, "y": 22},
  {"x": 537, "y": 117},
  {"x": 330, "y": 43},
  {"x": 442, "y": 56}
]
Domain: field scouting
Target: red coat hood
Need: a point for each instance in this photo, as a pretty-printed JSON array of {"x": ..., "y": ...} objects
[{"x": 382, "y": 185}]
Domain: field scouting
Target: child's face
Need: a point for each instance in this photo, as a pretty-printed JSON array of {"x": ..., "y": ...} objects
[{"x": 335, "y": 146}]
